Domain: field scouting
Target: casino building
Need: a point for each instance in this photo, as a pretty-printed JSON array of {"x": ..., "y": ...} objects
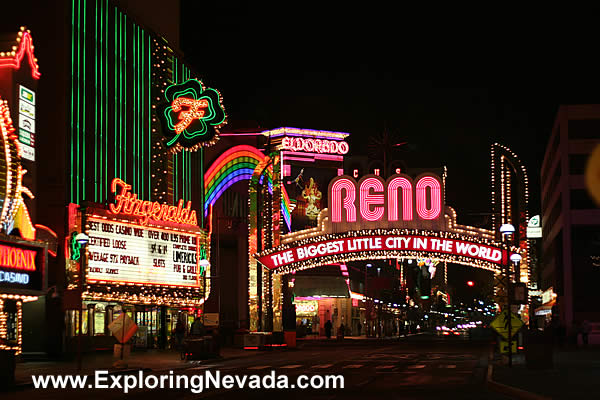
[
  {"x": 118, "y": 172},
  {"x": 24, "y": 246}
]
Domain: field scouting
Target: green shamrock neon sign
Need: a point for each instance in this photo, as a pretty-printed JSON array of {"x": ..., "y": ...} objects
[{"x": 191, "y": 116}]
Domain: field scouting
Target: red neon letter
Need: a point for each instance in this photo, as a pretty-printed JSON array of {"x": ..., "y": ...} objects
[
  {"x": 196, "y": 110},
  {"x": 348, "y": 203},
  {"x": 436, "y": 198},
  {"x": 407, "y": 207},
  {"x": 367, "y": 199}
]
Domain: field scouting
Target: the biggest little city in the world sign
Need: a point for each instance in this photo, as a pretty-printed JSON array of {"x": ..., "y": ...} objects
[
  {"x": 135, "y": 254},
  {"x": 325, "y": 248}
]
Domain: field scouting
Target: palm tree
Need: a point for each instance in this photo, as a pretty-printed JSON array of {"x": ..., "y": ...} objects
[{"x": 385, "y": 146}]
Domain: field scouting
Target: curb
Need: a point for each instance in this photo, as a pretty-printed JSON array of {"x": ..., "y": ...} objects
[{"x": 506, "y": 389}]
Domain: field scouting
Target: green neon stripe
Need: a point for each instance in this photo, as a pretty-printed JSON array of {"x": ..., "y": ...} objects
[
  {"x": 120, "y": 96},
  {"x": 134, "y": 106},
  {"x": 116, "y": 97},
  {"x": 106, "y": 100},
  {"x": 142, "y": 102},
  {"x": 149, "y": 114},
  {"x": 202, "y": 186},
  {"x": 139, "y": 137},
  {"x": 83, "y": 194},
  {"x": 96, "y": 105},
  {"x": 78, "y": 97},
  {"x": 125, "y": 136},
  {"x": 72, "y": 92},
  {"x": 101, "y": 89}
]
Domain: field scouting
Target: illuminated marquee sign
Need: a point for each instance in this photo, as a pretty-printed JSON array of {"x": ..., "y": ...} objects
[
  {"x": 21, "y": 267},
  {"x": 440, "y": 245},
  {"x": 396, "y": 202},
  {"x": 128, "y": 204},
  {"x": 133, "y": 254},
  {"x": 192, "y": 115},
  {"x": 314, "y": 145}
]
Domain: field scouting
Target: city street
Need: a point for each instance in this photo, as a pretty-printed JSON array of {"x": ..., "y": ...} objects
[{"x": 417, "y": 367}]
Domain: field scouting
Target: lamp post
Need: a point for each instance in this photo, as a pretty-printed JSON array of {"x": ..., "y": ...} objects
[
  {"x": 82, "y": 239},
  {"x": 507, "y": 230}
]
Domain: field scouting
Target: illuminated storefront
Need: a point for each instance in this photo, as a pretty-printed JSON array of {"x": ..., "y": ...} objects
[
  {"x": 23, "y": 257},
  {"x": 145, "y": 258}
]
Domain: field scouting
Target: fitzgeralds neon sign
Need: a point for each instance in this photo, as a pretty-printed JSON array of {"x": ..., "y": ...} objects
[
  {"x": 191, "y": 116},
  {"x": 396, "y": 200},
  {"x": 314, "y": 145},
  {"x": 127, "y": 203}
]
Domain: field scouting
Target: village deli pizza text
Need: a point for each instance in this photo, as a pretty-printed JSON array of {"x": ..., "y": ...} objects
[{"x": 120, "y": 252}]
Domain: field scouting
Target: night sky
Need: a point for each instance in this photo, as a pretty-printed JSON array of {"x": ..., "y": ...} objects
[{"x": 449, "y": 96}]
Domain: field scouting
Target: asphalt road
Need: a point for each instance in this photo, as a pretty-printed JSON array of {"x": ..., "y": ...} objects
[{"x": 420, "y": 367}]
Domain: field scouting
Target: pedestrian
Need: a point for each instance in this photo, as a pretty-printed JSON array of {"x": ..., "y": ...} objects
[
  {"x": 342, "y": 330},
  {"x": 179, "y": 332},
  {"x": 328, "y": 329},
  {"x": 197, "y": 328},
  {"x": 359, "y": 328},
  {"x": 586, "y": 328}
]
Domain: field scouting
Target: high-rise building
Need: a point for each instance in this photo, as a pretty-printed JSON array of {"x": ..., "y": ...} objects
[{"x": 570, "y": 219}]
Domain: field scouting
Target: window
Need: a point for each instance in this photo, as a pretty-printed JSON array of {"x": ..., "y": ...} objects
[
  {"x": 577, "y": 163},
  {"x": 581, "y": 200},
  {"x": 584, "y": 129}
]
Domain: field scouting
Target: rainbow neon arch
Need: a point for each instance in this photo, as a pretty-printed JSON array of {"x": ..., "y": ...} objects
[{"x": 238, "y": 164}]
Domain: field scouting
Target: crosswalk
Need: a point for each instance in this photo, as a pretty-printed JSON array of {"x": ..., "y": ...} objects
[
  {"x": 397, "y": 367},
  {"x": 412, "y": 366}
]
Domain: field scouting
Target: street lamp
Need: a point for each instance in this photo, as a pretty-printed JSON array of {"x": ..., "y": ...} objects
[
  {"x": 506, "y": 230},
  {"x": 82, "y": 240}
]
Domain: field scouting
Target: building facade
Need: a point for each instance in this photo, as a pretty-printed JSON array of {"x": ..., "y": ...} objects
[
  {"x": 105, "y": 168},
  {"x": 570, "y": 220}
]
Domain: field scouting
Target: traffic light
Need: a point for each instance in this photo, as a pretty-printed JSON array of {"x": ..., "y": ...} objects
[{"x": 470, "y": 283}]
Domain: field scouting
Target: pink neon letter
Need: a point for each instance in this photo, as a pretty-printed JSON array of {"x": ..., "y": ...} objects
[
  {"x": 407, "y": 208},
  {"x": 348, "y": 203},
  {"x": 436, "y": 198},
  {"x": 367, "y": 199}
]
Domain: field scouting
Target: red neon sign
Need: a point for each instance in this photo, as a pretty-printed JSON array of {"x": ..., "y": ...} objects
[
  {"x": 315, "y": 145},
  {"x": 367, "y": 199},
  {"x": 16, "y": 258},
  {"x": 376, "y": 195},
  {"x": 26, "y": 46},
  {"x": 363, "y": 244},
  {"x": 195, "y": 110},
  {"x": 128, "y": 203}
]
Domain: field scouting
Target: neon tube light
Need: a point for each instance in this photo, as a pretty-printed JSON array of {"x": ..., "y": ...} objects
[
  {"x": 367, "y": 199},
  {"x": 406, "y": 186}
]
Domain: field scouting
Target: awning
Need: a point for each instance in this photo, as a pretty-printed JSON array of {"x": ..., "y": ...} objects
[
  {"x": 321, "y": 287},
  {"x": 543, "y": 310}
]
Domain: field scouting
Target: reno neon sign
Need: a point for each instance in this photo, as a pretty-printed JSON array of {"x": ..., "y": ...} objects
[
  {"x": 396, "y": 202},
  {"x": 314, "y": 145}
]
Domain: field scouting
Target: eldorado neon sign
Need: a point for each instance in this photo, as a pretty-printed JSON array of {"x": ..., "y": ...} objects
[
  {"x": 128, "y": 203},
  {"x": 314, "y": 145}
]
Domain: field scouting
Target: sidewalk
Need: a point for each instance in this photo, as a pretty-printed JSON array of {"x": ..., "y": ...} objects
[
  {"x": 314, "y": 340},
  {"x": 575, "y": 375},
  {"x": 151, "y": 360}
]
